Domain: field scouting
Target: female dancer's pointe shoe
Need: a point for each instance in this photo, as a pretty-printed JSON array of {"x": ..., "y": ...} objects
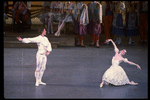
[
  {"x": 101, "y": 85},
  {"x": 133, "y": 83}
]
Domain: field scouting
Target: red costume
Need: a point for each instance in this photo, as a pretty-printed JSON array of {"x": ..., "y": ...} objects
[
  {"x": 21, "y": 13},
  {"x": 143, "y": 21},
  {"x": 107, "y": 21},
  {"x": 21, "y": 8}
]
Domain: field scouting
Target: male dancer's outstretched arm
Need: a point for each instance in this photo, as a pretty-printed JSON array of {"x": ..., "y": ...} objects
[{"x": 28, "y": 40}]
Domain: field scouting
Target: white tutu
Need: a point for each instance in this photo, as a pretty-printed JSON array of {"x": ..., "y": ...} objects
[{"x": 115, "y": 74}]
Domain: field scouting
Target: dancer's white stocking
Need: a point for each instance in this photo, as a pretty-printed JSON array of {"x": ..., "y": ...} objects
[
  {"x": 40, "y": 68},
  {"x": 40, "y": 79},
  {"x": 37, "y": 74}
]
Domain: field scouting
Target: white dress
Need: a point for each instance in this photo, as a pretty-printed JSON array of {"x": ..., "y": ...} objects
[{"x": 115, "y": 74}]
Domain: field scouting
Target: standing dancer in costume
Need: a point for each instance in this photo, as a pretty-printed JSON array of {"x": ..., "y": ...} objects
[
  {"x": 131, "y": 23},
  {"x": 80, "y": 21},
  {"x": 21, "y": 12},
  {"x": 44, "y": 49},
  {"x": 108, "y": 16},
  {"x": 117, "y": 23},
  {"x": 95, "y": 20},
  {"x": 143, "y": 21},
  {"x": 115, "y": 74}
]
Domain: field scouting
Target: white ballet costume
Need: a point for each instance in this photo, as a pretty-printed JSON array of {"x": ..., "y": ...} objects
[
  {"x": 43, "y": 46},
  {"x": 115, "y": 74}
]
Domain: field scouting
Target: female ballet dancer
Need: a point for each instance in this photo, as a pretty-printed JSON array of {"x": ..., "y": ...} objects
[
  {"x": 44, "y": 49},
  {"x": 115, "y": 74}
]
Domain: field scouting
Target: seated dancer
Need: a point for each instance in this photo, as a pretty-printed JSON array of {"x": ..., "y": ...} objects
[
  {"x": 47, "y": 16},
  {"x": 69, "y": 21},
  {"x": 61, "y": 26},
  {"x": 115, "y": 74},
  {"x": 44, "y": 49},
  {"x": 68, "y": 18},
  {"x": 21, "y": 13},
  {"x": 59, "y": 14},
  {"x": 80, "y": 17}
]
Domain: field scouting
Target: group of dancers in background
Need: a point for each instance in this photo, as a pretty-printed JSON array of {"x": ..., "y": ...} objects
[{"x": 129, "y": 18}]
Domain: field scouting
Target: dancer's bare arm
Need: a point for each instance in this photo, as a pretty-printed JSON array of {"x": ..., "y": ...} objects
[
  {"x": 131, "y": 63},
  {"x": 19, "y": 38},
  {"x": 115, "y": 47}
]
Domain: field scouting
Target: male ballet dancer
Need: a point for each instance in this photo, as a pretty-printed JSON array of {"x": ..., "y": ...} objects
[{"x": 44, "y": 49}]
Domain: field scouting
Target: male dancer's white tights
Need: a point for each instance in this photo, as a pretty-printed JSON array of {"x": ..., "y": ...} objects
[{"x": 40, "y": 68}]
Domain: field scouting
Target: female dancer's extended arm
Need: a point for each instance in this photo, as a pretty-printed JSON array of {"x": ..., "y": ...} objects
[
  {"x": 131, "y": 63},
  {"x": 115, "y": 47}
]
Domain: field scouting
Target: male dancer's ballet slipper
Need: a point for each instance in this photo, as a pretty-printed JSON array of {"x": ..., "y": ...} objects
[
  {"x": 37, "y": 84},
  {"x": 42, "y": 83}
]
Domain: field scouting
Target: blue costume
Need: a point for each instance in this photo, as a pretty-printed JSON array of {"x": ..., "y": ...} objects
[
  {"x": 132, "y": 24},
  {"x": 117, "y": 23}
]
